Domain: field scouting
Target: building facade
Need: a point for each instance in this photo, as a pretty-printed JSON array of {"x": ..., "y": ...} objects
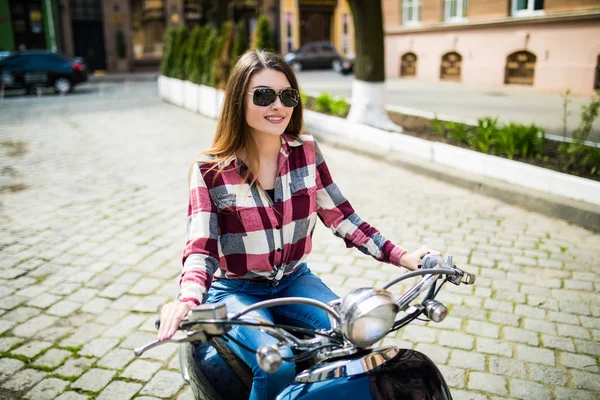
[
  {"x": 127, "y": 35},
  {"x": 29, "y": 24},
  {"x": 547, "y": 45},
  {"x": 114, "y": 35},
  {"x": 304, "y": 21}
]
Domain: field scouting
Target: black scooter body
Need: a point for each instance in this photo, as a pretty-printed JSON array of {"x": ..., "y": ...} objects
[{"x": 408, "y": 375}]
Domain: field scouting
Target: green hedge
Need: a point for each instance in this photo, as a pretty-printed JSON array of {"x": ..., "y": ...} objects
[{"x": 205, "y": 55}]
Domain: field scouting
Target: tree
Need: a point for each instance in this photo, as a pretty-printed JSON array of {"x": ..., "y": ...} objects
[{"x": 368, "y": 85}]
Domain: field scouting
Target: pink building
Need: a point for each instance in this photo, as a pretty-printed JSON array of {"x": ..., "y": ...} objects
[{"x": 547, "y": 45}]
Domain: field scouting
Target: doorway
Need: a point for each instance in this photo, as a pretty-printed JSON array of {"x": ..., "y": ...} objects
[
  {"x": 315, "y": 26},
  {"x": 28, "y": 24},
  {"x": 88, "y": 32}
]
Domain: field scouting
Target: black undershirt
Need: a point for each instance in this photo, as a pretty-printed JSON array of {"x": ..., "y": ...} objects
[{"x": 271, "y": 194}]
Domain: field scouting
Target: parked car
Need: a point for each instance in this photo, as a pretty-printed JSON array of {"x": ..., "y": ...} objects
[
  {"x": 31, "y": 69},
  {"x": 346, "y": 65},
  {"x": 313, "y": 55}
]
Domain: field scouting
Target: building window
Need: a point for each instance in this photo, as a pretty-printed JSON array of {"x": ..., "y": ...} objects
[
  {"x": 408, "y": 64},
  {"x": 520, "y": 68},
  {"x": 597, "y": 82},
  {"x": 411, "y": 12},
  {"x": 148, "y": 28},
  {"x": 527, "y": 8},
  {"x": 451, "y": 66},
  {"x": 455, "y": 10}
]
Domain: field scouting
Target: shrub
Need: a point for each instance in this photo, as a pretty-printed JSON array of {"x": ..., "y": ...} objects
[
  {"x": 438, "y": 126},
  {"x": 339, "y": 106},
  {"x": 263, "y": 34},
  {"x": 483, "y": 137},
  {"x": 303, "y": 98},
  {"x": 179, "y": 53},
  {"x": 323, "y": 103},
  {"x": 169, "y": 43},
  {"x": 457, "y": 131},
  {"x": 578, "y": 154},
  {"x": 207, "y": 56},
  {"x": 520, "y": 140},
  {"x": 213, "y": 58},
  {"x": 190, "y": 52},
  {"x": 223, "y": 61},
  {"x": 240, "y": 44},
  {"x": 195, "y": 62}
]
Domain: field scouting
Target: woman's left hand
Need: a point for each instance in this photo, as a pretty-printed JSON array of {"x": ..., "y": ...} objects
[{"x": 411, "y": 261}]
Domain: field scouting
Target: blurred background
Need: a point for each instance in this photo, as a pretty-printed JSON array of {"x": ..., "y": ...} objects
[{"x": 549, "y": 45}]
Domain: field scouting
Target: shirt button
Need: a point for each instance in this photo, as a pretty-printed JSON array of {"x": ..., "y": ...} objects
[
  {"x": 277, "y": 227},
  {"x": 279, "y": 250}
]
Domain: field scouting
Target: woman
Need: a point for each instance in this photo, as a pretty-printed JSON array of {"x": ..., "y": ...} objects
[{"x": 254, "y": 200}]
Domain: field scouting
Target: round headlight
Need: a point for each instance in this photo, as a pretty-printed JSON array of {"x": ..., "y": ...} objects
[{"x": 367, "y": 316}]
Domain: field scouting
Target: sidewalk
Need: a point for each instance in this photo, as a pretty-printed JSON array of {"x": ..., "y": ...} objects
[
  {"x": 91, "y": 249},
  {"x": 123, "y": 77},
  {"x": 509, "y": 104}
]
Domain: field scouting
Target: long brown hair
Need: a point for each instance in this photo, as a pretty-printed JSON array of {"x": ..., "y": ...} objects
[{"x": 233, "y": 134}]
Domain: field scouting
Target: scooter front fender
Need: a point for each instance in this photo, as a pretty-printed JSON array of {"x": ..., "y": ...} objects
[{"x": 409, "y": 375}]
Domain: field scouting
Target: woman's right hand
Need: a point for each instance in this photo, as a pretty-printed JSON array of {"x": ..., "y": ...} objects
[{"x": 171, "y": 316}]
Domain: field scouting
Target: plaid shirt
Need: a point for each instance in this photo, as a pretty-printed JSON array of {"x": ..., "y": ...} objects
[{"x": 236, "y": 231}]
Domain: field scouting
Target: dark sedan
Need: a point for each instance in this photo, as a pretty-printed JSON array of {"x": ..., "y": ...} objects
[
  {"x": 36, "y": 68},
  {"x": 313, "y": 55}
]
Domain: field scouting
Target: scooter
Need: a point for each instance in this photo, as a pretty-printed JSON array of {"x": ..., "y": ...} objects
[{"x": 339, "y": 363}]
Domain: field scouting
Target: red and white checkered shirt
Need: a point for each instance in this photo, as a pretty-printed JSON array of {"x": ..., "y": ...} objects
[{"x": 236, "y": 231}]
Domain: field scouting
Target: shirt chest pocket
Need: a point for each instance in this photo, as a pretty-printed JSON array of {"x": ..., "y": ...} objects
[
  {"x": 237, "y": 213},
  {"x": 304, "y": 197},
  {"x": 306, "y": 185}
]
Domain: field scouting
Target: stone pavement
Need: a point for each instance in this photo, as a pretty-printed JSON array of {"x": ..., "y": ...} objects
[{"x": 92, "y": 229}]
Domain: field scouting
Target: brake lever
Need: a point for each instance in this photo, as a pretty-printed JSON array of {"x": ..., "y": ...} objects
[
  {"x": 196, "y": 336},
  {"x": 463, "y": 277}
]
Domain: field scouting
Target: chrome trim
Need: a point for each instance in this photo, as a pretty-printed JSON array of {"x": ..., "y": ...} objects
[
  {"x": 343, "y": 368},
  {"x": 343, "y": 352},
  {"x": 414, "y": 292},
  {"x": 183, "y": 366}
]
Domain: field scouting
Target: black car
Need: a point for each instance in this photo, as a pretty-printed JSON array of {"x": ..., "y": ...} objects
[
  {"x": 37, "y": 68},
  {"x": 313, "y": 55}
]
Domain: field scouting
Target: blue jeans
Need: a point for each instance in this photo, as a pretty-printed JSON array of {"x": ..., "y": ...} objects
[{"x": 239, "y": 293}]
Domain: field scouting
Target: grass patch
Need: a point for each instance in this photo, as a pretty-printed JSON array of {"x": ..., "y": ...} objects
[
  {"x": 73, "y": 349},
  {"x": 6, "y": 354},
  {"x": 44, "y": 368}
]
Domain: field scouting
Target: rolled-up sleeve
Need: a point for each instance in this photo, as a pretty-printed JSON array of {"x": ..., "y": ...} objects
[
  {"x": 201, "y": 254},
  {"x": 336, "y": 212}
]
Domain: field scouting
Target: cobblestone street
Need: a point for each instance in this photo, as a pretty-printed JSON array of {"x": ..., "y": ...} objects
[{"x": 94, "y": 200}]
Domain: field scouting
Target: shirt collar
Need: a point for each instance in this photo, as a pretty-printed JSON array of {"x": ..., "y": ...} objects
[{"x": 287, "y": 143}]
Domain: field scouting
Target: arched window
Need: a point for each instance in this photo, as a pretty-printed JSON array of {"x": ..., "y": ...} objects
[
  {"x": 408, "y": 64},
  {"x": 520, "y": 68},
  {"x": 451, "y": 66},
  {"x": 597, "y": 81}
]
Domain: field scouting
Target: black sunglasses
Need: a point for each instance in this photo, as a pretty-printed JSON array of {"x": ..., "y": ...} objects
[{"x": 266, "y": 96}]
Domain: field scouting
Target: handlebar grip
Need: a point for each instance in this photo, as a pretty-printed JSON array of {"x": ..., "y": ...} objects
[{"x": 429, "y": 261}]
